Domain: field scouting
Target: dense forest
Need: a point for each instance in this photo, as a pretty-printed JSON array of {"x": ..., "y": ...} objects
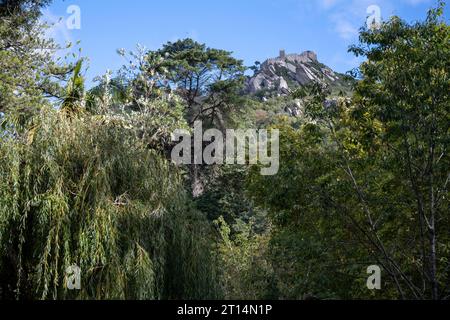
[{"x": 86, "y": 176}]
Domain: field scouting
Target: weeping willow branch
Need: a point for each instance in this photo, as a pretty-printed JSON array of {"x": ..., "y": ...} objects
[{"x": 88, "y": 192}]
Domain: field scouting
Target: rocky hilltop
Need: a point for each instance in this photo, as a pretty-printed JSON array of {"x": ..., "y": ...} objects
[{"x": 287, "y": 72}]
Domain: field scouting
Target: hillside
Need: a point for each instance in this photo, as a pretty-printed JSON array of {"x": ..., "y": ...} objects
[{"x": 281, "y": 75}]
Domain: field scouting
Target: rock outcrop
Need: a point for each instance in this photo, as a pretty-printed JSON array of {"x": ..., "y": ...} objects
[{"x": 283, "y": 74}]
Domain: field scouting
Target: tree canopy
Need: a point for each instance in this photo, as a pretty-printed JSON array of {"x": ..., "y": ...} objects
[{"x": 86, "y": 177}]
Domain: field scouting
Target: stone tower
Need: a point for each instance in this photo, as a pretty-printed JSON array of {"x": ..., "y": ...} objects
[{"x": 282, "y": 54}]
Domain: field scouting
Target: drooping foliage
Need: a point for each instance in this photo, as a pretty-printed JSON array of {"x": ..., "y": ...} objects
[
  {"x": 87, "y": 191},
  {"x": 85, "y": 179}
]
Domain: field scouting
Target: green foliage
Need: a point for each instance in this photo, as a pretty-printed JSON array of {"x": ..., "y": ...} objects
[
  {"x": 153, "y": 116},
  {"x": 86, "y": 191},
  {"x": 309, "y": 249},
  {"x": 365, "y": 180},
  {"x": 28, "y": 9},
  {"x": 74, "y": 97},
  {"x": 224, "y": 195},
  {"x": 209, "y": 80},
  {"x": 401, "y": 119},
  {"x": 28, "y": 71},
  {"x": 246, "y": 271}
]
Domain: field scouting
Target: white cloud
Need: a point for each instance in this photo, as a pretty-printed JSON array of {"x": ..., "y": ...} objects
[
  {"x": 348, "y": 16},
  {"x": 345, "y": 29}
]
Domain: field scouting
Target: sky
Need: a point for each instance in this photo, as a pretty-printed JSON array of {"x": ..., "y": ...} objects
[{"x": 253, "y": 30}]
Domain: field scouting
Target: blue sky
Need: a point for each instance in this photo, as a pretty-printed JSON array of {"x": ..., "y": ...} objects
[{"x": 252, "y": 29}]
